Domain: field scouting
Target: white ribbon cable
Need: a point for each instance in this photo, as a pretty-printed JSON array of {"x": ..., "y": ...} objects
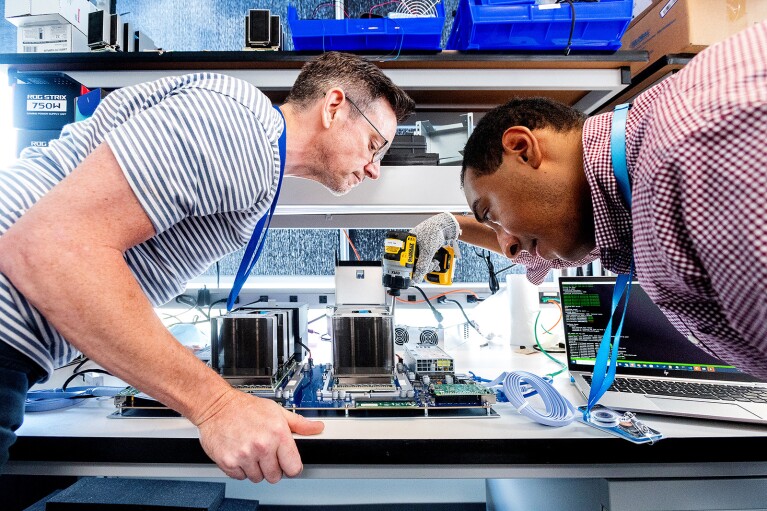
[{"x": 559, "y": 411}]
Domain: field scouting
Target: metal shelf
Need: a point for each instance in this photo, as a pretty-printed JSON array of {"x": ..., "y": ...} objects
[
  {"x": 438, "y": 81},
  {"x": 401, "y": 197},
  {"x": 447, "y": 80},
  {"x": 656, "y": 72}
]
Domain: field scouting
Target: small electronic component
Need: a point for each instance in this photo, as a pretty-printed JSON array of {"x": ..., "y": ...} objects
[
  {"x": 625, "y": 425},
  {"x": 470, "y": 394},
  {"x": 131, "y": 402},
  {"x": 428, "y": 360}
]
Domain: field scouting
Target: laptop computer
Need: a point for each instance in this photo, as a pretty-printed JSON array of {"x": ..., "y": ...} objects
[{"x": 659, "y": 370}]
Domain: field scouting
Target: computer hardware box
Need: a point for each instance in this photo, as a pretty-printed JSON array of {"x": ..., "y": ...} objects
[
  {"x": 363, "y": 342},
  {"x": 298, "y": 324},
  {"x": 244, "y": 347}
]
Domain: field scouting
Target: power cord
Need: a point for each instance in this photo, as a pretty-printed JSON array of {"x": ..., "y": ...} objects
[
  {"x": 210, "y": 307},
  {"x": 80, "y": 373},
  {"x": 473, "y": 324},
  {"x": 572, "y": 24},
  {"x": 484, "y": 254},
  {"x": 434, "y": 311},
  {"x": 316, "y": 319},
  {"x": 323, "y": 337},
  {"x": 506, "y": 268},
  {"x": 307, "y": 350},
  {"x": 192, "y": 303}
]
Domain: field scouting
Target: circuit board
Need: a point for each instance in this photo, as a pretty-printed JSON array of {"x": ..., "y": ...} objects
[{"x": 315, "y": 392}]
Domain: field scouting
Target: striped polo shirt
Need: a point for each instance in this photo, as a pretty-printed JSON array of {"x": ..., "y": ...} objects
[{"x": 201, "y": 154}]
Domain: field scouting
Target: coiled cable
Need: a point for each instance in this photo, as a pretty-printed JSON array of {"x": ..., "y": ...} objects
[
  {"x": 519, "y": 385},
  {"x": 44, "y": 400}
]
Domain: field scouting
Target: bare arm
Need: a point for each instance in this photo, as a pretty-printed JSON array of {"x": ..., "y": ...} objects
[
  {"x": 66, "y": 256},
  {"x": 477, "y": 234}
]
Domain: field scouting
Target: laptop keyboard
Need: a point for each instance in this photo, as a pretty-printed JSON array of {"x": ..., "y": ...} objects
[{"x": 686, "y": 389}]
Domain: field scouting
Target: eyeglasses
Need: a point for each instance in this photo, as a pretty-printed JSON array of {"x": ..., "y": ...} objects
[{"x": 381, "y": 151}]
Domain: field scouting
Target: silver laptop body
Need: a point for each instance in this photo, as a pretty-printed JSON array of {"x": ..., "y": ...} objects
[{"x": 678, "y": 377}]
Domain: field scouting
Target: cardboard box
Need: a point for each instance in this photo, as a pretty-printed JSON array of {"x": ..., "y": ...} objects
[
  {"x": 688, "y": 26},
  {"x": 48, "y": 12},
  {"x": 34, "y": 138},
  {"x": 56, "y": 38},
  {"x": 44, "y": 107}
]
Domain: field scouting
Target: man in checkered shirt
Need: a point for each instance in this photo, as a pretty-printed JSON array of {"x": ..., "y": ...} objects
[{"x": 539, "y": 180}]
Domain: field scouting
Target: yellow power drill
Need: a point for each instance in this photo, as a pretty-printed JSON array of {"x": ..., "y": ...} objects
[{"x": 400, "y": 257}]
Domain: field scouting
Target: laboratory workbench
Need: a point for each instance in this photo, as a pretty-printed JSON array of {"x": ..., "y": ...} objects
[{"x": 84, "y": 440}]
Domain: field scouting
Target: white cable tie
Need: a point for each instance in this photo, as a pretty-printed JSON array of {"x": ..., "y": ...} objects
[{"x": 525, "y": 404}]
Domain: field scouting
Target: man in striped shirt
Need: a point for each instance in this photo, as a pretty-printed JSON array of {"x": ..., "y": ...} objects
[
  {"x": 539, "y": 180},
  {"x": 114, "y": 217}
]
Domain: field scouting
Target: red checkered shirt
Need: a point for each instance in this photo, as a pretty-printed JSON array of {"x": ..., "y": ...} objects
[{"x": 696, "y": 148}]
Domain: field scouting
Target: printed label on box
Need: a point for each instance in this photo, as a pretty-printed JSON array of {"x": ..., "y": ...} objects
[
  {"x": 44, "y": 33},
  {"x": 45, "y": 38},
  {"x": 667, "y": 8},
  {"x": 45, "y": 104},
  {"x": 34, "y": 138}
]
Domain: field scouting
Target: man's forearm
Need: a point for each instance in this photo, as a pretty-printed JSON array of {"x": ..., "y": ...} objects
[
  {"x": 93, "y": 300},
  {"x": 475, "y": 233},
  {"x": 65, "y": 255}
]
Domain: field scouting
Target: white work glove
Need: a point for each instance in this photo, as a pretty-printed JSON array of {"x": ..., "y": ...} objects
[{"x": 431, "y": 235}]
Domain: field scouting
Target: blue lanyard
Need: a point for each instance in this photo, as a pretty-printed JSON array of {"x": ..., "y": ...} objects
[
  {"x": 256, "y": 243},
  {"x": 604, "y": 373}
]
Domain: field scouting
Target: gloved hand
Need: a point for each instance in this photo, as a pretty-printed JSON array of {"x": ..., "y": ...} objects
[{"x": 431, "y": 235}]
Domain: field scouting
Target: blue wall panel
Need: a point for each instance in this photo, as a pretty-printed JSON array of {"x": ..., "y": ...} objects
[{"x": 215, "y": 25}]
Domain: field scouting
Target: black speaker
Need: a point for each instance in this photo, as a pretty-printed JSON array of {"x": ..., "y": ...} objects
[
  {"x": 275, "y": 33},
  {"x": 96, "y": 29},
  {"x": 115, "y": 36},
  {"x": 258, "y": 28},
  {"x": 127, "y": 37}
]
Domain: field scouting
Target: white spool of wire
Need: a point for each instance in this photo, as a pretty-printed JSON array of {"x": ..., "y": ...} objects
[{"x": 605, "y": 418}]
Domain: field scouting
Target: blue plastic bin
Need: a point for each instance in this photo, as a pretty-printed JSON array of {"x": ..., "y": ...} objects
[
  {"x": 384, "y": 34},
  {"x": 492, "y": 25}
]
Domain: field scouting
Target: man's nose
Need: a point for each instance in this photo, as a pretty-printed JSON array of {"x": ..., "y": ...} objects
[
  {"x": 508, "y": 243},
  {"x": 373, "y": 170}
]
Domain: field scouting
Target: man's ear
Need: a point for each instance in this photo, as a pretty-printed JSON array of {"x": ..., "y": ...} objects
[
  {"x": 331, "y": 104},
  {"x": 521, "y": 144}
]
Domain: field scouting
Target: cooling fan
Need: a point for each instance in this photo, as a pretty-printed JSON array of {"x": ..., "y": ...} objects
[
  {"x": 425, "y": 336},
  {"x": 416, "y": 8}
]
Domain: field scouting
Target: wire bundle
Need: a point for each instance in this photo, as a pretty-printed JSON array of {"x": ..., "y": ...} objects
[{"x": 55, "y": 399}]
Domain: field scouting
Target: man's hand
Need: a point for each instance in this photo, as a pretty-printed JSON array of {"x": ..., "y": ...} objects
[
  {"x": 431, "y": 235},
  {"x": 251, "y": 437}
]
